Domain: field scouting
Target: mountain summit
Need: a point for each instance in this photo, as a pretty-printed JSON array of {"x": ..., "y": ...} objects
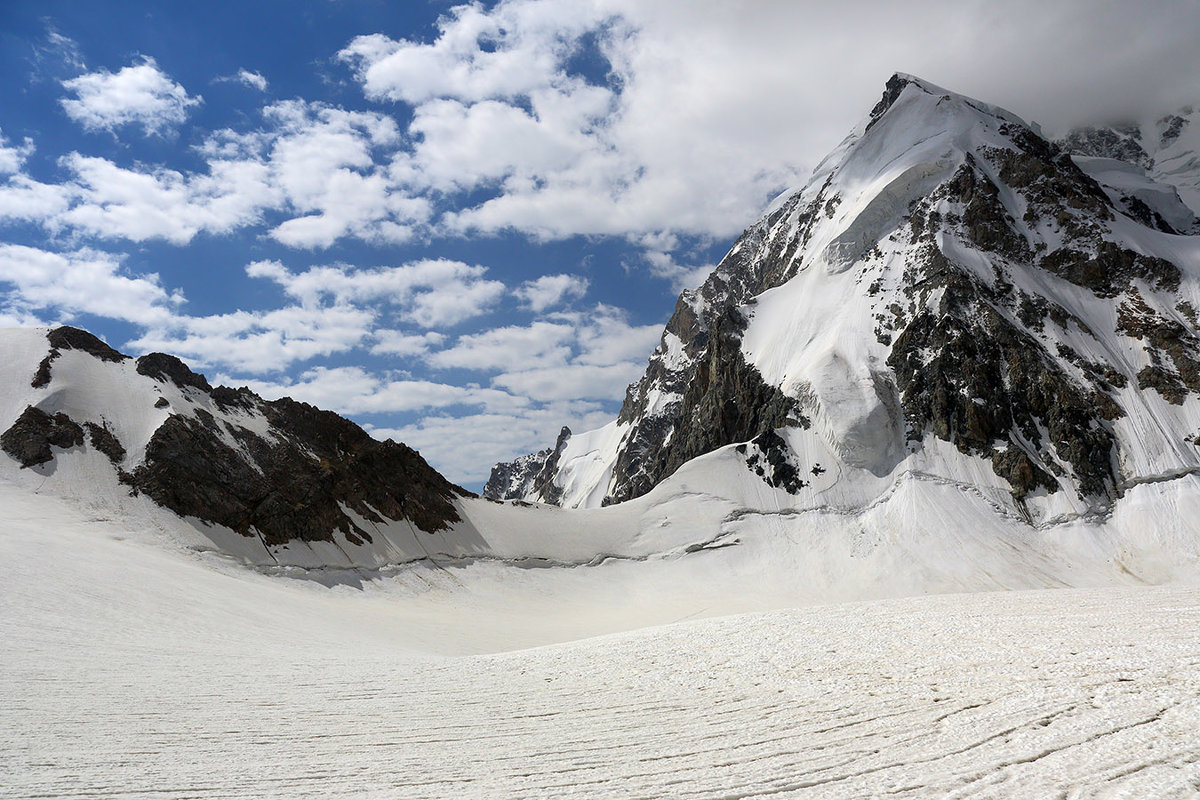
[{"x": 951, "y": 299}]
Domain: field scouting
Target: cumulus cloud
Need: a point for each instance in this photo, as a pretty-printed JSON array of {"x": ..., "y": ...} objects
[
  {"x": 12, "y": 157},
  {"x": 401, "y": 344},
  {"x": 538, "y": 344},
  {"x": 254, "y": 80},
  {"x": 333, "y": 309},
  {"x": 353, "y": 390},
  {"x": 140, "y": 94},
  {"x": 113, "y": 202},
  {"x": 260, "y": 342},
  {"x": 551, "y": 290},
  {"x": 433, "y": 293},
  {"x": 317, "y": 167},
  {"x": 85, "y": 281},
  {"x": 21, "y": 197},
  {"x": 505, "y": 52}
]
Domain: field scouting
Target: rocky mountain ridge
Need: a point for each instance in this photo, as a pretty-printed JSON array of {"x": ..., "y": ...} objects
[
  {"x": 947, "y": 275},
  {"x": 280, "y": 470}
]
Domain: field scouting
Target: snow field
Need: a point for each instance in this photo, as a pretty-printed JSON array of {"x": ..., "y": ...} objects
[{"x": 136, "y": 671}]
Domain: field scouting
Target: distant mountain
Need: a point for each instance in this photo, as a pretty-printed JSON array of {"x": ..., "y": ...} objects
[
  {"x": 1166, "y": 153},
  {"x": 951, "y": 299}
]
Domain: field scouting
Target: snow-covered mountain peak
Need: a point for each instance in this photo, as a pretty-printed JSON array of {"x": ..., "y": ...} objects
[{"x": 949, "y": 295}]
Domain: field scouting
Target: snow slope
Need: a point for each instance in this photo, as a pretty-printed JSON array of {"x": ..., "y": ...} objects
[{"x": 138, "y": 671}]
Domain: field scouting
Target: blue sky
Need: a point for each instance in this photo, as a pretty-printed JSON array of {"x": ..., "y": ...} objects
[{"x": 464, "y": 225}]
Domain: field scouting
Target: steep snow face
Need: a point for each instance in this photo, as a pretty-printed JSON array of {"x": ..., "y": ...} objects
[{"x": 950, "y": 296}]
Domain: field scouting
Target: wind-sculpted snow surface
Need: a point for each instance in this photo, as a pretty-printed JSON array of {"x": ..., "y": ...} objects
[{"x": 136, "y": 671}]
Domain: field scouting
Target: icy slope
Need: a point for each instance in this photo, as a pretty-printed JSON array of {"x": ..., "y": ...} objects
[
  {"x": 133, "y": 671},
  {"x": 950, "y": 298}
]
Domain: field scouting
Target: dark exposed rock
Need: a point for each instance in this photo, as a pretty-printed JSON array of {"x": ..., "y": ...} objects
[
  {"x": 891, "y": 93},
  {"x": 1022, "y": 474},
  {"x": 168, "y": 368},
  {"x": 757, "y": 262},
  {"x": 1111, "y": 269},
  {"x": 1137, "y": 208},
  {"x": 1189, "y": 313},
  {"x": 68, "y": 338},
  {"x": 42, "y": 376},
  {"x": 1173, "y": 126},
  {"x": 1122, "y": 143},
  {"x": 106, "y": 442},
  {"x": 1162, "y": 337},
  {"x": 970, "y": 377},
  {"x": 33, "y": 434},
  {"x": 987, "y": 224},
  {"x": 228, "y": 398},
  {"x": 510, "y": 480},
  {"x": 773, "y": 465},
  {"x": 295, "y": 486},
  {"x": 1163, "y": 381},
  {"x": 726, "y": 401},
  {"x": 532, "y": 475},
  {"x": 1053, "y": 186}
]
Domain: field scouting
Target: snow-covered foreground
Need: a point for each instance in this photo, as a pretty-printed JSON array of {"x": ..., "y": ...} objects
[{"x": 130, "y": 669}]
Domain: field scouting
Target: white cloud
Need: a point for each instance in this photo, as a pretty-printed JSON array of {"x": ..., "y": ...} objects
[
  {"x": 496, "y": 102},
  {"x": 23, "y": 198},
  {"x": 313, "y": 164},
  {"x": 465, "y": 447},
  {"x": 260, "y": 342},
  {"x": 551, "y": 290},
  {"x": 432, "y": 293},
  {"x": 539, "y": 344},
  {"x": 353, "y": 390},
  {"x": 505, "y": 52},
  {"x": 82, "y": 282},
  {"x": 12, "y": 157},
  {"x": 663, "y": 265},
  {"x": 140, "y": 94},
  {"x": 323, "y": 160},
  {"x": 399, "y": 343},
  {"x": 113, "y": 202},
  {"x": 570, "y": 382},
  {"x": 254, "y": 80},
  {"x": 606, "y": 338}
]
